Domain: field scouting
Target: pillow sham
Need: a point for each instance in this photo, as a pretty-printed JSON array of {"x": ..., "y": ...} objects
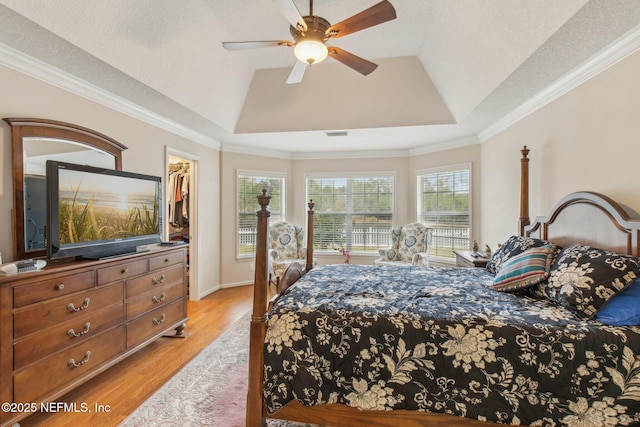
[
  {"x": 584, "y": 278},
  {"x": 623, "y": 309},
  {"x": 514, "y": 245},
  {"x": 526, "y": 269}
]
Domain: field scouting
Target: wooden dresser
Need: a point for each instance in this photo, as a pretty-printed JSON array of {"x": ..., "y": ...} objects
[{"x": 65, "y": 324}]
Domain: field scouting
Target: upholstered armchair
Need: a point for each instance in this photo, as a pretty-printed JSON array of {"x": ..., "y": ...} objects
[
  {"x": 411, "y": 245},
  {"x": 285, "y": 247}
]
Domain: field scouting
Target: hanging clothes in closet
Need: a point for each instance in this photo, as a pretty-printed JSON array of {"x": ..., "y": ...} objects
[{"x": 179, "y": 200}]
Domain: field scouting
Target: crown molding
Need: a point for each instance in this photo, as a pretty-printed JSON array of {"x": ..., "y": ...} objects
[
  {"x": 35, "y": 68},
  {"x": 445, "y": 145},
  {"x": 616, "y": 52},
  {"x": 255, "y": 151},
  {"x": 372, "y": 154},
  {"x": 25, "y": 64}
]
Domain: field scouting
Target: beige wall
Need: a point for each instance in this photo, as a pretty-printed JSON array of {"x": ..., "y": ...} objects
[
  {"x": 240, "y": 271},
  {"x": 23, "y": 96},
  {"x": 586, "y": 140},
  {"x": 589, "y": 139}
]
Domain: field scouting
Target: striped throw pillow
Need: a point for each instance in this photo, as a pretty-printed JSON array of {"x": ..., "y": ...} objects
[{"x": 526, "y": 269}]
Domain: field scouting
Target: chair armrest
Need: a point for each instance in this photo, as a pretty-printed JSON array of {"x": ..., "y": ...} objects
[
  {"x": 386, "y": 254},
  {"x": 421, "y": 258},
  {"x": 384, "y": 251}
]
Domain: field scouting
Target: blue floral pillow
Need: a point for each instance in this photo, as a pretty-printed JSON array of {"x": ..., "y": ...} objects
[
  {"x": 515, "y": 245},
  {"x": 584, "y": 278}
]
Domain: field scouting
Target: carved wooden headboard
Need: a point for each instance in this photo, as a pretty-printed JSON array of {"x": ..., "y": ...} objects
[{"x": 589, "y": 218}]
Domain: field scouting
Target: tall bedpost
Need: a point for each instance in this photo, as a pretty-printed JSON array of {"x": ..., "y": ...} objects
[
  {"x": 258, "y": 328},
  {"x": 524, "y": 191},
  {"x": 309, "y": 265}
]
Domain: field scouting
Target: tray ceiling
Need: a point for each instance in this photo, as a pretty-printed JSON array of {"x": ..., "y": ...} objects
[{"x": 448, "y": 69}]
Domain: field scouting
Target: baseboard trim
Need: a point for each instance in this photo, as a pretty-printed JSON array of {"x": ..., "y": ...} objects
[{"x": 236, "y": 284}]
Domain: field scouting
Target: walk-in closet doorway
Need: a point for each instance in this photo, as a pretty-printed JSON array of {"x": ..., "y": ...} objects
[{"x": 180, "y": 201}]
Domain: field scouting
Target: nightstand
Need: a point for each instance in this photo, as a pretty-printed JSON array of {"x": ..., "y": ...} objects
[{"x": 466, "y": 259}]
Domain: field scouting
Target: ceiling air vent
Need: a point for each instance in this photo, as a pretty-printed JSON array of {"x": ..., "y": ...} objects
[{"x": 341, "y": 133}]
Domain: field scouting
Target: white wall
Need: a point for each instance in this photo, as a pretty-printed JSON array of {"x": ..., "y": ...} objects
[
  {"x": 589, "y": 139},
  {"x": 24, "y": 96}
]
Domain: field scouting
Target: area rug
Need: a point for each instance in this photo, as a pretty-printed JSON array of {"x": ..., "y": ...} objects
[{"x": 211, "y": 390}]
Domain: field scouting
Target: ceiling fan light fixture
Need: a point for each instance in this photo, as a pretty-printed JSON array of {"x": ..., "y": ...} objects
[
  {"x": 311, "y": 32},
  {"x": 310, "y": 51}
]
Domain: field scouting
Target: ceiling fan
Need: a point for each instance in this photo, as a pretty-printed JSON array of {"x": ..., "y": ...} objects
[{"x": 311, "y": 32}]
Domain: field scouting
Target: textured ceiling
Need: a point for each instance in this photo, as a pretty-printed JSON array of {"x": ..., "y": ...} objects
[{"x": 448, "y": 69}]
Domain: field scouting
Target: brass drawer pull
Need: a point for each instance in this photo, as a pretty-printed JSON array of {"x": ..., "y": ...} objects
[
  {"x": 74, "y": 334},
  {"x": 156, "y": 299},
  {"x": 72, "y": 307},
  {"x": 158, "y": 281},
  {"x": 156, "y": 321},
  {"x": 72, "y": 363},
  {"x": 60, "y": 287},
  {"x": 125, "y": 270}
]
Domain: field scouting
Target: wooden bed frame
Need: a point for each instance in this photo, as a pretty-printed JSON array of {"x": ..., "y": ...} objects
[{"x": 582, "y": 217}]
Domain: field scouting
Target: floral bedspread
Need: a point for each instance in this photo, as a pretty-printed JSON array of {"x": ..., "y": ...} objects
[{"x": 436, "y": 339}]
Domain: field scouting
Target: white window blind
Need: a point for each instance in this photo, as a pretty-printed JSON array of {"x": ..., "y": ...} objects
[
  {"x": 351, "y": 212},
  {"x": 444, "y": 203},
  {"x": 250, "y": 185}
]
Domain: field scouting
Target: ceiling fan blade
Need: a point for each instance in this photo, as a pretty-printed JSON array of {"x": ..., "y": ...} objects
[
  {"x": 361, "y": 65},
  {"x": 377, "y": 14},
  {"x": 255, "y": 44},
  {"x": 297, "y": 72},
  {"x": 290, "y": 11}
]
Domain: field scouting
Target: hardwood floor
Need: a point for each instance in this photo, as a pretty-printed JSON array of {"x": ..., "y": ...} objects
[{"x": 125, "y": 386}]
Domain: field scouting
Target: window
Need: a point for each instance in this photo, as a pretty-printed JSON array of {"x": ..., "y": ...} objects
[
  {"x": 353, "y": 212},
  {"x": 444, "y": 203},
  {"x": 250, "y": 185}
]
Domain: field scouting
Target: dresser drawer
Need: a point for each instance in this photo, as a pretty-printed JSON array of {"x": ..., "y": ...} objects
[
  {"x": 155, "y": 298},
  {"x": 166, "y": 260},
  {"x": 50, "y": 313},
  {"x": 154, "y": 322},
  {"x": 121, "y": 271},
  {"x": 151, "y": 281},
  {"x": 55, "y": 371},
  {"x": 66, "y": 334},
  {"x": 64, "y": 324},
  {"x": 52, "y": 287}
]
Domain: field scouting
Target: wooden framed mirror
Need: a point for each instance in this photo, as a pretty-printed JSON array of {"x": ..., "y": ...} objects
[{"x": 33, "y": 142}]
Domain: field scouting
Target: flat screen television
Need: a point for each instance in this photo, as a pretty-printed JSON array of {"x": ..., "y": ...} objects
[{"x": 98, "y": 213}]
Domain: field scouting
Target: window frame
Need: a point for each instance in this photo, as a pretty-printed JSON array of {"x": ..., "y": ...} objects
[
  {"x": 419, "y": 174},
  {"x": 352, "y": 175},
  {"x": 282, "y": 217}
]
